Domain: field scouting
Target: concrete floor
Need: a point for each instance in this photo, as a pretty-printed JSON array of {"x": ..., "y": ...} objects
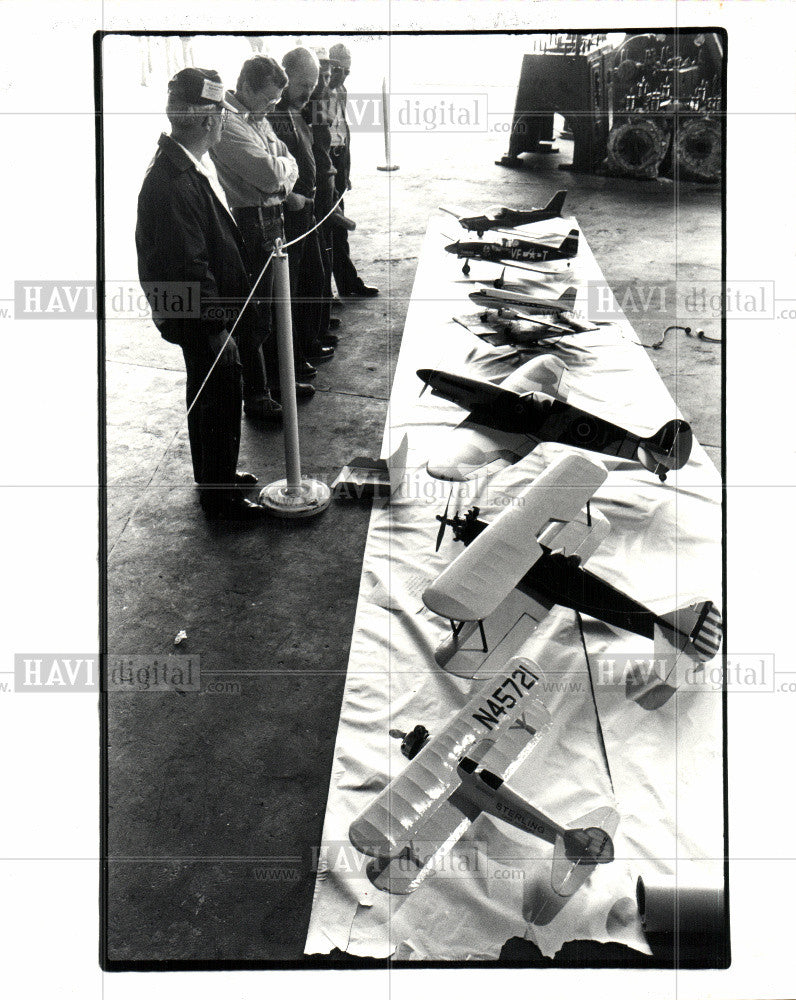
[{"x": 216, "y": 801}]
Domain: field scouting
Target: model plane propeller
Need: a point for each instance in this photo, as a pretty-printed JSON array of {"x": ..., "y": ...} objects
[
  {"x": 538, "y": 546},
  {"x": 417, "y": 819},
  {"x": 515, "y": 252},
  {"x": 508, "y": 421},
  {"x": 499, "y": 217}
]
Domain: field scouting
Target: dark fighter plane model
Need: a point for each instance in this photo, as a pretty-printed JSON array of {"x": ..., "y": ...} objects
[
  {"x": 515, "y": 252},
  {"x": 523, "y": 419},
  {"x": 499, "y": 217}
]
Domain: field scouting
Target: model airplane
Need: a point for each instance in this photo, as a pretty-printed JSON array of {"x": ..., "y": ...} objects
[
  {"x": 537, "y": 546},
  {"x": 508, "y": 421},
  {"x": 515, "y": 252},
  {"x": 525, "y": 304},
  {"x": 500, "y": 217},
  {"x": 418, "y": 818},
  {"x": 529, "y": 329}
]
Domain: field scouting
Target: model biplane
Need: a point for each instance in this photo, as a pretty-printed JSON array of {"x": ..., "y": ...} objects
[
  {"x": 538, "y": 545},
  {"x": 500, "y": 217},
  {"x": 417, "y": 819},
  {"x": 509, "y": 420}
]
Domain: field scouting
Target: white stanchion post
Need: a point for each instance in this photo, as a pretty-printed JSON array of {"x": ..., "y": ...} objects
[
  {"x": 385, "y": 117},
  {"x": 287, "y": 378},
  {"x": 293, "y": 496}
]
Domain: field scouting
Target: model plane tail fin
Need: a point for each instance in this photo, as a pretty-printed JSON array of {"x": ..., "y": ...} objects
[
  {"x": 556, "y": 203},
  {"x": 587, "y": 843},
  {"x": 567, "y": 298},
  {"x": 667, "y": 449},
  {"x": 684, "y": 640},
  {"x": 569, "y": 246},
  {"x": 696, "y": 629}
]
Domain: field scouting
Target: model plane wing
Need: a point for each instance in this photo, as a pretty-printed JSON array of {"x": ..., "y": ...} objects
[
  {"x": 418, "y": 816},
  {"x": 473, "y": 449},
  {"x": 481, "y": 578},
  {"x": 495, "y": 298}
]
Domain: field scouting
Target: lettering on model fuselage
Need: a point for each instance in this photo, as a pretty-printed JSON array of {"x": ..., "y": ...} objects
[
  {"x": 505, "y": 696},
  {"x": 517, "y": 818},
  {"x": 516, "y": 253}
]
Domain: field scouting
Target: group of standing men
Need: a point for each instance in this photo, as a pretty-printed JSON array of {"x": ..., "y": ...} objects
[{"x": 242, "y": 170}]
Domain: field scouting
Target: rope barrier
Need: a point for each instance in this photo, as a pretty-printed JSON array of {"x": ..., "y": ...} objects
[{"x": 250, "y": 296}]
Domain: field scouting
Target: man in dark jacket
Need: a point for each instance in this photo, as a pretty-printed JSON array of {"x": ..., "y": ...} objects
[
  {"x": 194, "y": 271},
  {"x": 346, "y": 277},
  {"x": 304, "y": 251}
]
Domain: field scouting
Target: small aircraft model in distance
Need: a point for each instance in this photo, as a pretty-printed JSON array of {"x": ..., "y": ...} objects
[
  {"x": 523, "y": 303},
  {"x": 511, "y": 419},
  {"x": 538, "y": 546},
  {"x": 500, "y": 217},
  {"x": 418, "y": 818},
  {"x": 511, "y": 304},
  {"x": 515, "y": 252}
]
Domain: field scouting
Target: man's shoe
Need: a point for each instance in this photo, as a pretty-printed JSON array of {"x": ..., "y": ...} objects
[
  {"x": 334, "y": 323},
  {"x": 305, "y": 370},
  {"x": 265, "y": 408},
  {"x": 317, "y": 354},
  {"x": 329, "y": 340},
  {"x": 363, "y": 291},
  {"x": 245, "y": 479},
  {"x": 237, "y": 509},
  {"x": 303, "y": 391}
]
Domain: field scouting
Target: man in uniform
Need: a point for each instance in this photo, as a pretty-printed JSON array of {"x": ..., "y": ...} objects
[{"x": 186, "y": 234}]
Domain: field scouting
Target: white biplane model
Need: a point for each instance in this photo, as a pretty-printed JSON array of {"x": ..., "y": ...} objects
[
  {"x": 417, "y": 819},
  {"x": 538, "y": 545}
]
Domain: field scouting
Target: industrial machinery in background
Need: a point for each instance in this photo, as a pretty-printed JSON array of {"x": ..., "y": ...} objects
[
  {"x": 564, "y": 74},
  {"x": 651, "y": 105},
  {"x": 667, "y": 106}
]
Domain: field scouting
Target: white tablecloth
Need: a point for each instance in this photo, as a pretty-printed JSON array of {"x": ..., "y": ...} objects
[{"x": 664, "y": 769}]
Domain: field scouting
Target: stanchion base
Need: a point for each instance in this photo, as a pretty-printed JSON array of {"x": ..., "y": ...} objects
[
  {"x": 389, "y": 166},
  {"x": 312, "y": 497}
]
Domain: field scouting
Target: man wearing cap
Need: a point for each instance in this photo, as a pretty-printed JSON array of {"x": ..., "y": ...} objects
[
  {"x": 345, "y": 273},
  {"x": 306, "y": 264},
  {"x": 258, "y": 172},
  {"x": 186, "y": 234}
]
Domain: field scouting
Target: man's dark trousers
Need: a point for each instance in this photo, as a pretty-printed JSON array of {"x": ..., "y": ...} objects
[
  {"x": 306, "y": 280},
  {"x": 345, "y": 274},
  {"x": 214, "y": 420},
  {"x": 258, "y": 346}
]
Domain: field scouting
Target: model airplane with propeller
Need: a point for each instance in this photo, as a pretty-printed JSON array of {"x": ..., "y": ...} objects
[
  {"x": 515, "y": 252},
  {"x": 524, "y": 304},
  {"x": 412, "y": 825},
  {"x": 507, "y": 421},
  {"x": 538, "y": 545},
  {"x": 499, "y": 217}
]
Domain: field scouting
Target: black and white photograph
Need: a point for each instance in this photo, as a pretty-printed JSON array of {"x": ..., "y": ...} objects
[{"x": 413, "y": 547}]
